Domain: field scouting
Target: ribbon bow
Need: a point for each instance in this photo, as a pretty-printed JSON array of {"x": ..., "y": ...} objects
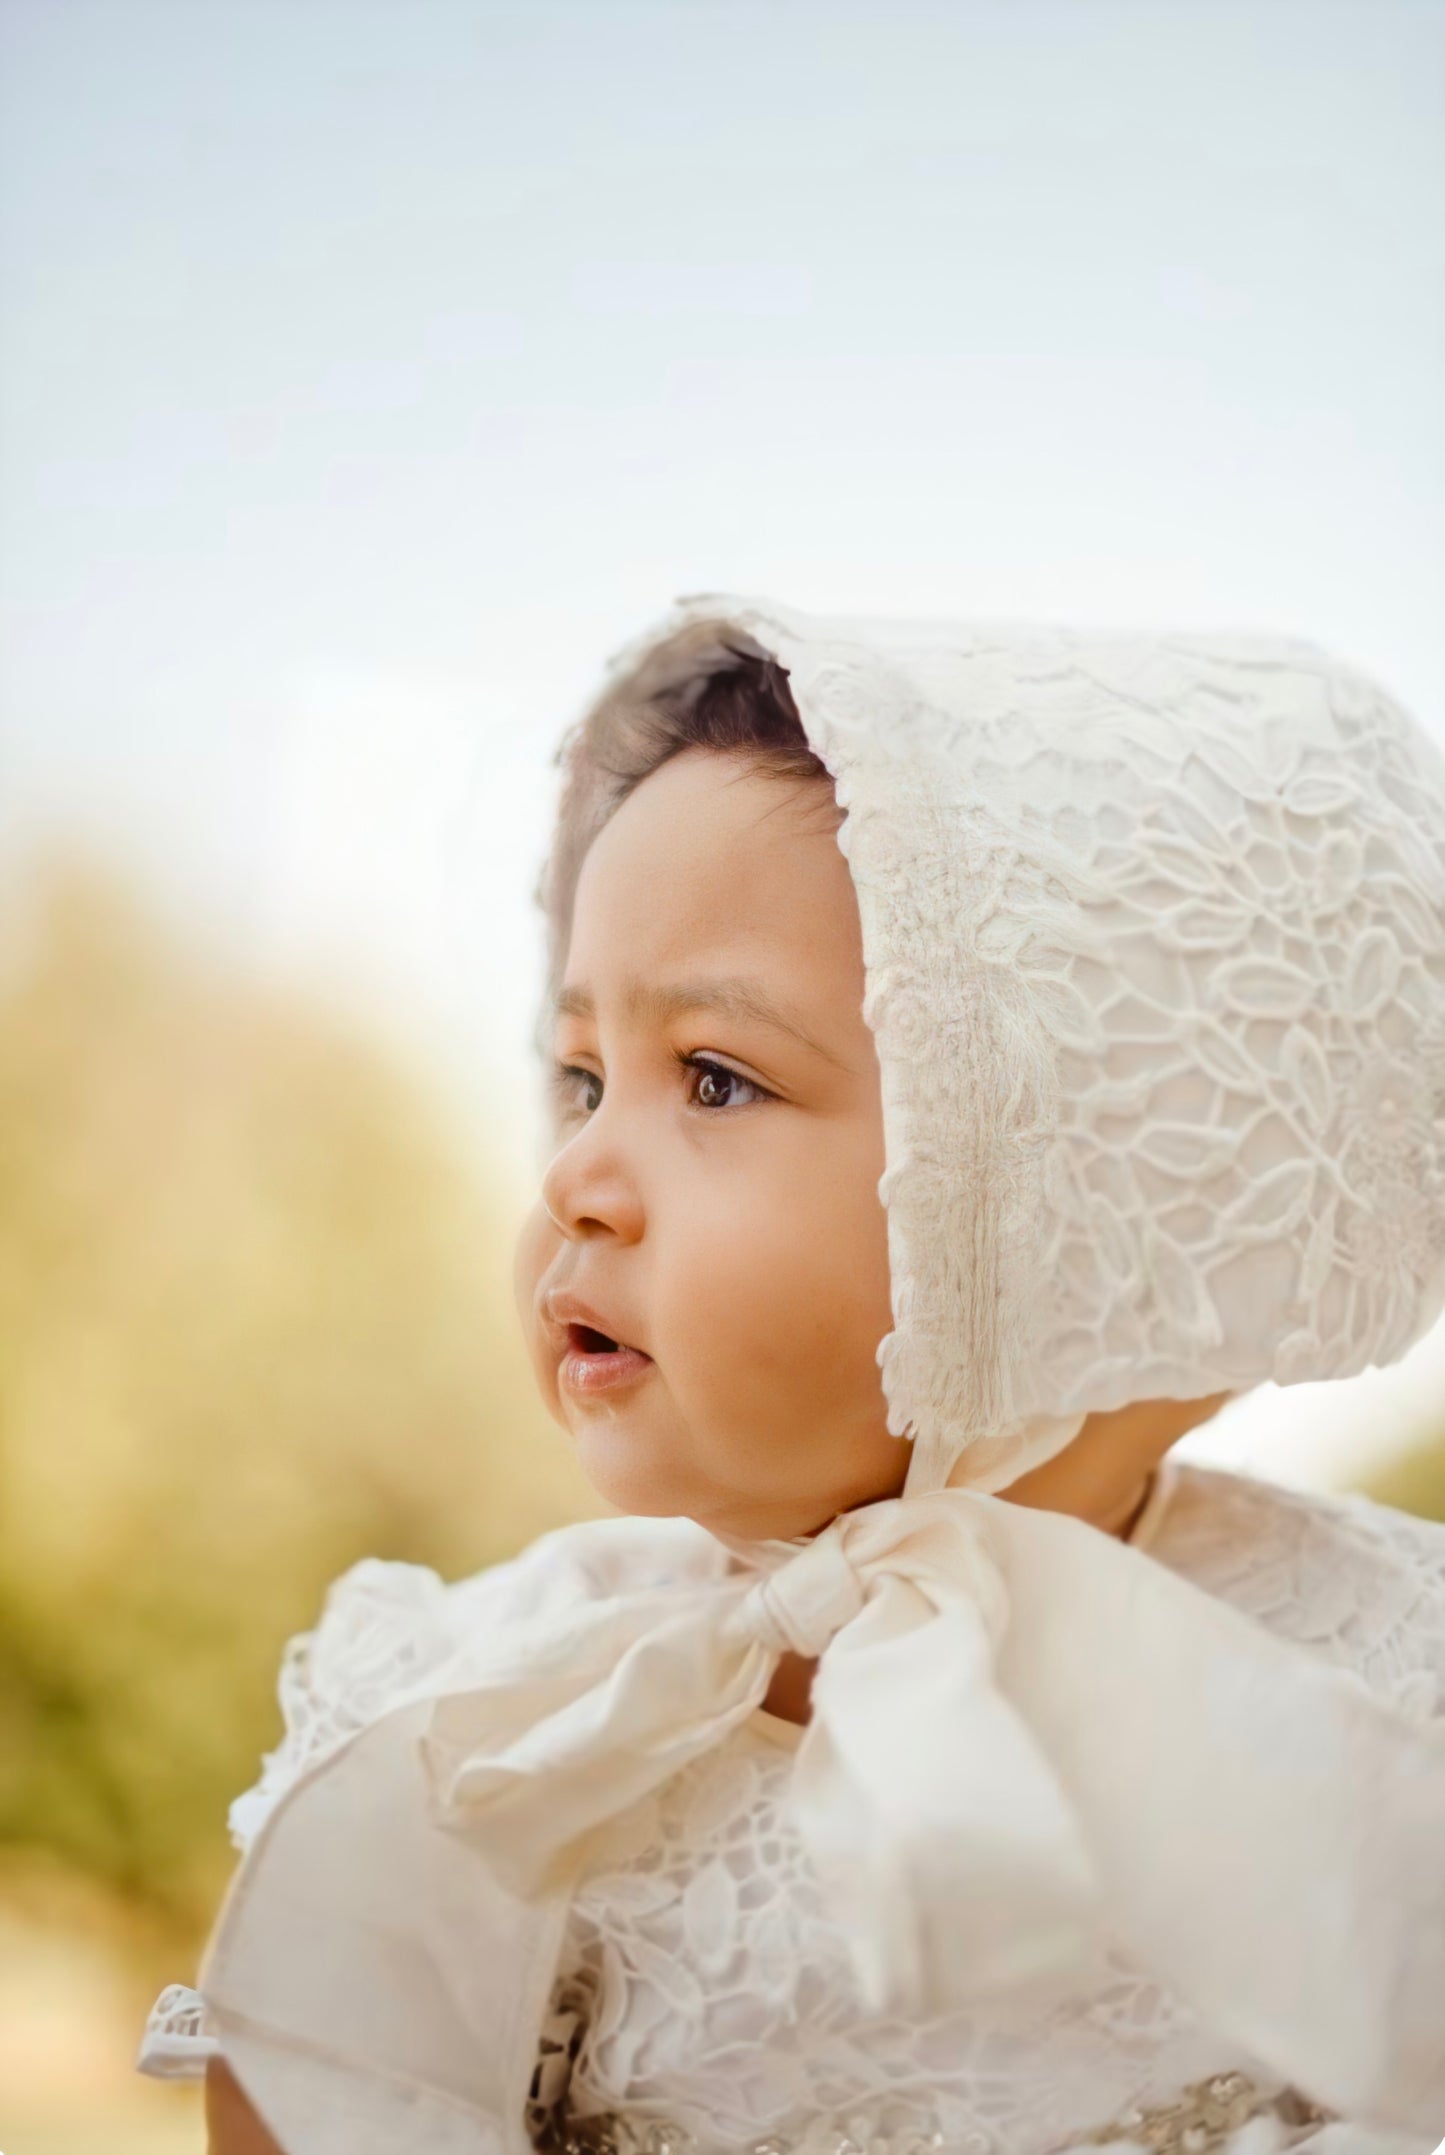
[
  {"x": 928, "y": 1808},
  {"x": 1028, "y": 1741}
]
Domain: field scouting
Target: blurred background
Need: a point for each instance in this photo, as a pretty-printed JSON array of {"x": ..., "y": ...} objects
[{"x": 369, "y": 371}]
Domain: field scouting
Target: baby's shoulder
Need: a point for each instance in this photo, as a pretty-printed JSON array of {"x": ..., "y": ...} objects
[
  {"x": 389, "y": 1632},
  {"x": 1353, "y": 1579}
]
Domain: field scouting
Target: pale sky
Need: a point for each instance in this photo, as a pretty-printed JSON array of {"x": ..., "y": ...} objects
[{"x": 371, "y": 369}]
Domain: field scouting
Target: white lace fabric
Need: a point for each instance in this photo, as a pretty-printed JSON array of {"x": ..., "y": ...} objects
[{"x": 703, "y": 1988}]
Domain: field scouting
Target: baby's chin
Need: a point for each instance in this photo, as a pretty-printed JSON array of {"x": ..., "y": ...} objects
[{"x": 635, "y": 1468}]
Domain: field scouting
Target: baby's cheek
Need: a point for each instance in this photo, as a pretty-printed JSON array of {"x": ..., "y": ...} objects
[
  {"x": 731, "y": 1306},
  {"x": 793, "y": 1311},
  {"x": 852, "y": 1277},
  {"x": 846, "y": 1225}
]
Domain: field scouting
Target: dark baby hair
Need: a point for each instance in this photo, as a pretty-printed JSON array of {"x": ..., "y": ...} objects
[{"x": 709, "y": 687}]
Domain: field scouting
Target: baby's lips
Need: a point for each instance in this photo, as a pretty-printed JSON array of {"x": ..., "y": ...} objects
[{"x": 564, "y": 1311}]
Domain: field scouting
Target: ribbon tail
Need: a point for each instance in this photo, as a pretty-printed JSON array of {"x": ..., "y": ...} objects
[
  {"x": 1271, "y": 1833},
  {"x": 531, "y": 1760},
  {"x": 931, "y": 1813}
]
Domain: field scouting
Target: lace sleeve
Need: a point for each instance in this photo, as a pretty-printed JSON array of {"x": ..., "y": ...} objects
[
  {"x": 1354, "y": 1580},
  {"x": 385, "y": 1631}
]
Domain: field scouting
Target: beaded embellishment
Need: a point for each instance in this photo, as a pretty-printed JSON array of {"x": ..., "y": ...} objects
[
  {"x": 612, "y": 2134},
  {"x": 1201, "y": 2117},
  {"x": 1198, "y": 2121}
]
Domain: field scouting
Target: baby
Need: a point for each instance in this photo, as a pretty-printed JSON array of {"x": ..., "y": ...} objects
[{"x": 922, "y": 1757}]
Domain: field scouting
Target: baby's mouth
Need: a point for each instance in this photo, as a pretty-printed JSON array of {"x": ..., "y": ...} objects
[
  {"x": 594, "y": 1362},
  {"x": 589, "y": 1342}
]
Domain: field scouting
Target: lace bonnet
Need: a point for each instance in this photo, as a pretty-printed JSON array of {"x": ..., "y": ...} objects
[{"x": 1154, "y": 941}]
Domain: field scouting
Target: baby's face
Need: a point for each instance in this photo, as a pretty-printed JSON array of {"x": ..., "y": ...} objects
[{"x": 713, "y": 1195}]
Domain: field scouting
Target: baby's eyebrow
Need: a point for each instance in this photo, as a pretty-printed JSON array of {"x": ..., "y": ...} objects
[{"x": 731, "y": 995}]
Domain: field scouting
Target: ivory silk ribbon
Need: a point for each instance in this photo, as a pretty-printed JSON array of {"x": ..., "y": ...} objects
[{"x": 1028, "y": 1741}]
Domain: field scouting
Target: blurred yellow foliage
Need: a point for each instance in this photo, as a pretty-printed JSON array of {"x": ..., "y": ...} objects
[{"x": 255, "y": 1323}]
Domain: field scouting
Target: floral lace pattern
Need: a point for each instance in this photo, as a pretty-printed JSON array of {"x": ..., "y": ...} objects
[{"x": 1156, "y": 961}]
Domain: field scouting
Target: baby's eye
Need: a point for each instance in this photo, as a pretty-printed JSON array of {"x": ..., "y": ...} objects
[
  {"x": 713, "y": 1077},
  {"x": 564, "y": 1086},
  {"x": 714, "y": 1090}
]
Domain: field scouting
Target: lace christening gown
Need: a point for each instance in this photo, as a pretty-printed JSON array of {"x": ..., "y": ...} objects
[{"x": 705, "y": 2004}]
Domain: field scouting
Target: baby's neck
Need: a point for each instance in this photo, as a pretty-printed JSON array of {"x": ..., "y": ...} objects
[
  {"x": 1103, "y": 1475},
  {"x": 790, "y": 1693}
]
